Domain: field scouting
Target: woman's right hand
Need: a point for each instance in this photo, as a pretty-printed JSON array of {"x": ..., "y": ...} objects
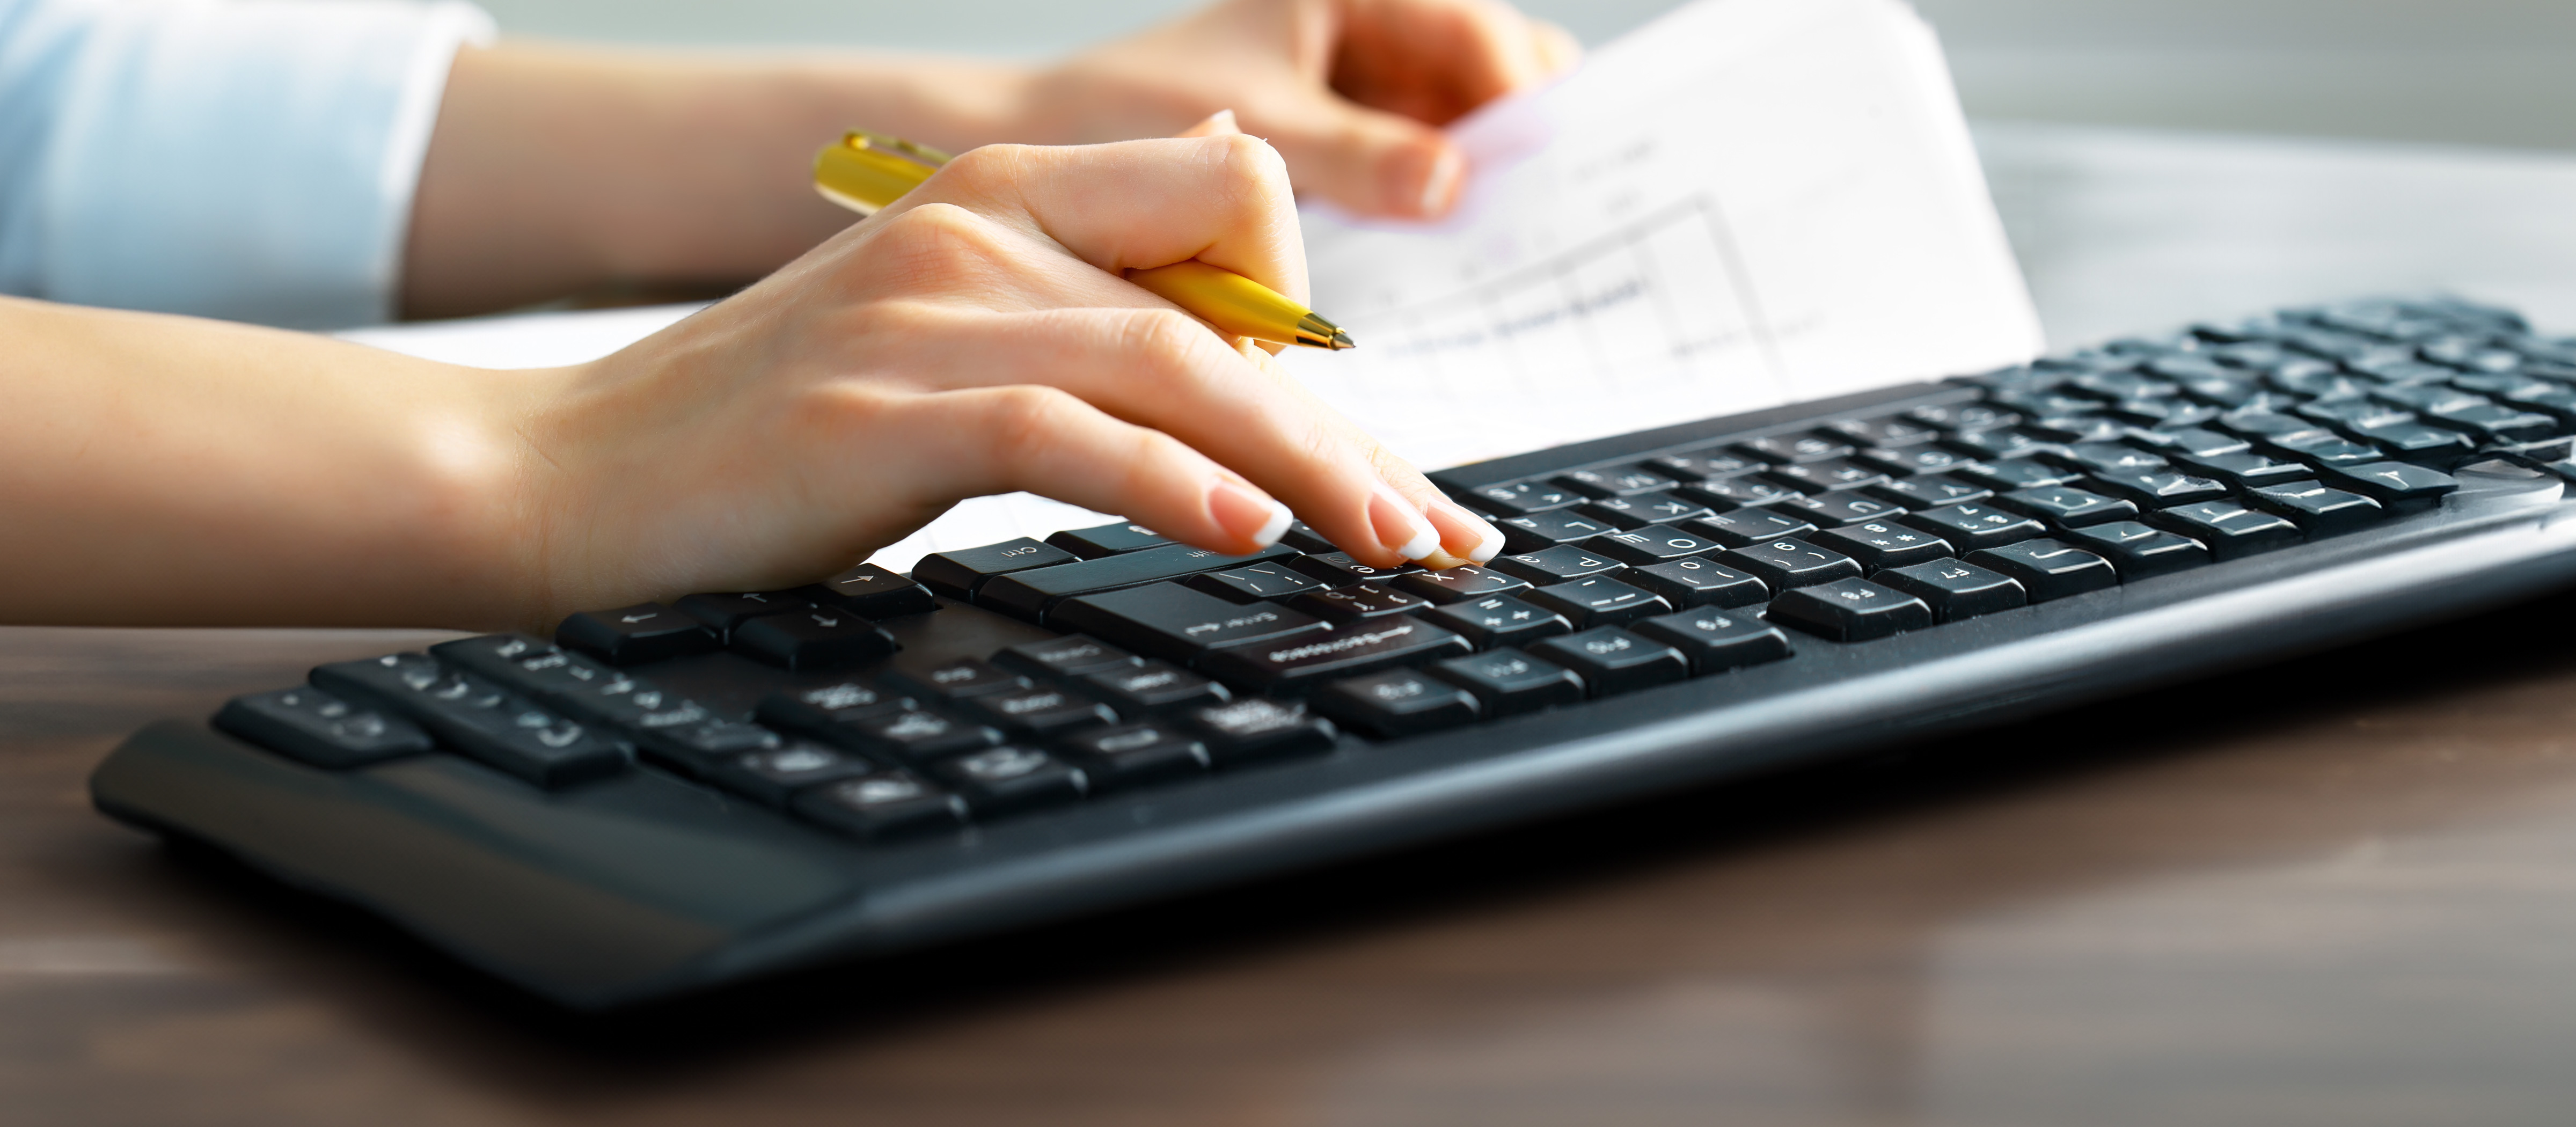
[{"x": 975, "y": 338}]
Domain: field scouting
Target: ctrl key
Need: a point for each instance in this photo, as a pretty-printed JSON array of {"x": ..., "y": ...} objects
[
  {"x": 1261, "y": 729},
  {"x": 1397, "y": 704},
  {"x": 315, "y": 727},
  {"x": 883, "y": 805},
  {"x": 1612, "y": 660}
]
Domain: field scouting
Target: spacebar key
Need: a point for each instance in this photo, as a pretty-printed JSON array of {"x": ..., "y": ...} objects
[{"x": 1031, "y": 594}]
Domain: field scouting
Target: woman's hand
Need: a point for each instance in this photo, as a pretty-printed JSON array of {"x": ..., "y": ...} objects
[
  {"x": 1352, "y": 92},
  {"x": 974, "y": 338}
]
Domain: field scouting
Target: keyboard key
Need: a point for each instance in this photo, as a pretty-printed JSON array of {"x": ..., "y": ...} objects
[
  {"x": 1612, "y": 661},
  {"x": 1356, "y": 602},
  {"x": 2495, "y": 422},
  {"x": 1651, "y": 544},
  {"x": 1523, "y": 497},
  {"x": 1133, "y": 754},
  {"x": 1723, "y": 494},
  {"x": 1174, "y": 622},
  {"x": 1547, "y": 530},
  {"x": 1998, "y": 445},
  {"x": 721, "y": 613},
  {"x": 959, "y": 679},
  {"x": 1884, "y": 431},
  {"x": 911, "y": 737},
  {"x": 1498, "y": 620},
  {"x": 1698, "y": 583},
  {"x": 576, "y": 683},
  {"x": 1911, "y": 460},
  {"x": 1703, "y": 465},
  {"x": 1154, "y": 687},
  {"x": 814, "y": 638},
  {"x": 2108, "y": 457},
  {"x": 1829, "y": 473},
  {"x": 2398, "y": 485},
  {"x": 1293, "y": 667},
  {"x": 873, "y": 593},
  {"x": 1255, "y": 729},
  {"x": 1954, "y": 590},
  {"x": 1636, "y": 512},
  {"x": 958, "y": 573},
  {"x": 697, "y": 749},
  {"x": 1039, "y": 713},
  {"x": 1970, "y": 527},
  {"x": 1716, "y": 642},
  {"x": 2160, "y": 488},
  {"x": 645, "y": 632},
  {"x": 1749, "y": 526},
  {"x": 1397, "y": 704},
  {"x": 1880, "y": 544},
  {"x": 1338, "y": 569},
  {"x": 2049, "y": 569},
  {"x": 1458, "y": 584},
  {"x": 1510, "y": 683},
  {"x": 1107, "y": 540},
  {"x": 1002, "y": 780},
  {"x": 2195, "y": 442},
  {"x": 1851, "y": 610},
  {"x": 2316, "y": 509},
  {"x": 816, "y": 710},
  {"x": 2064, "y": 506},
  {"x": 1617, "y": 481},
  {"x": 888, "y": 804},
  {"x": 2417, "y": 442},
  {"x": 1598, "y": 601},
  {"x": 2138, "y": 551},
  {"x": 1928, "y": 492},
  {"x": 1840, "y": 507},
  {"x": 775, "y": 775},
  {"x": 1255, "y": 583},
  {"x": 2229, "y": 529},
  {"x": 1069, "y": 656},
  {"x": 1962, "y": 416},
  {"x": 1556, "y": 565},
  {"x": 1783, "y": 449},
  {"x": 1304, "y": 538},
  {"x": 1033, "y": 594},
  {"x": 1787, "y": 563},
  {"x": 312, "y": 726},
  {"x": 2248, "y": 470},
  {"x": 477, "y": 717}
]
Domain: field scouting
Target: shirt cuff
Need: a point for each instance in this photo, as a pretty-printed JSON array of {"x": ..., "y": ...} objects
[{"x": 253, "y": 160}]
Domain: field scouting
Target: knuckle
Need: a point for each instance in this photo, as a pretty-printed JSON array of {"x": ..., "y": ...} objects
[
  {"x": 938, "y": 240},
  {"x": 1027, "y": 419},
  {"x": 981, "y": 168}
]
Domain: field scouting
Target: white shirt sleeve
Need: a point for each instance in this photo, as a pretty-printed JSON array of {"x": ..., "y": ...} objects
[{"x": 246, "y": 159}]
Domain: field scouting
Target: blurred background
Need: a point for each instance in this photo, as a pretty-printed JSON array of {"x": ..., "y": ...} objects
[{"x": 2486, "y": 72}]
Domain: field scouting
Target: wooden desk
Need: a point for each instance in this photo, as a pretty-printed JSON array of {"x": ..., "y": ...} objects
[{"x": 2340, "y": 891}]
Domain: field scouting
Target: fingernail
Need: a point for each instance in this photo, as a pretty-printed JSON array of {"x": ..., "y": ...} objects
[
  {"x": 1400, "y": 526},
  {"x": 1244, "y": 511},
  {"x": 1462, "y": 529},
  {"x": 1441, "y": 183},
  {"x": 1220, "y": 124}
]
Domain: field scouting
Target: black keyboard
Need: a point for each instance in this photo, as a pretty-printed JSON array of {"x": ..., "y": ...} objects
[{"x": 666, "y": 797}]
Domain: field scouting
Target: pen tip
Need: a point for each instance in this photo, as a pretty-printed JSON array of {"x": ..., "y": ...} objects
[{"x": 1341, "y": 340}]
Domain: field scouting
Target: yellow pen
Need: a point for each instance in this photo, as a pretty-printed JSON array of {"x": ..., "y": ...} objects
[{"x": 866, "y": 171}]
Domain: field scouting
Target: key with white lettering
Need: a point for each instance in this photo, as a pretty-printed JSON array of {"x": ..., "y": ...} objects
[
  {"x": 1293, "y": 667},
  {"x": 645, "y": 632},
  {"x": 960, "y": 573},
  {"x": 1032, "y": 594},
  {"x": 1173, "y": 622}
]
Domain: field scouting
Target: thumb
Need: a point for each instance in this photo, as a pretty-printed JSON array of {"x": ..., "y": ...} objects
[{"x": 1368, "y": 161}]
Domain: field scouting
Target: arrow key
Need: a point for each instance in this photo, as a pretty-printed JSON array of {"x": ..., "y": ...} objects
[
  {"x": 813, "y": 638},
  {"x": 635, "y": 635}
]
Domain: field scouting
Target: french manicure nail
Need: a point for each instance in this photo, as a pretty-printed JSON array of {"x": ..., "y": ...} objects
[
  {"x": 1442, "y": 181},
  {"x": 1400, "y": 526},
  {"x": 1243, "y": 511},
  {"x": 1458, "y": 526}
]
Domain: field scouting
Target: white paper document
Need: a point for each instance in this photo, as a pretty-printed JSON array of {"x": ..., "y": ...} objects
[{"x": 1742, "y": 204}]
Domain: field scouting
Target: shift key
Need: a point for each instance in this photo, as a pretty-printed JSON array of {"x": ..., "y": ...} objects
[
  {"x": 1030, "y": 594},
  {"x": 1170, "y": 621},
  {"x": 1290, "y": 668}
]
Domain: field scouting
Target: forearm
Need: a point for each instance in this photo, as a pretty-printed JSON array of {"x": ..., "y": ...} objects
[
  {"x": 554, "y": 170},
  {"x": 170, "y": 470}
]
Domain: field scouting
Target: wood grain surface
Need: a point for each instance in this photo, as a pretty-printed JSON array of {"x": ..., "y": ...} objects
[{"x": 2337, "y": 891}]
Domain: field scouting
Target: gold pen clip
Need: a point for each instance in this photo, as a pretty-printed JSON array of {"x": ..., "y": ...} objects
[{"x": 865, "y": 171}]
